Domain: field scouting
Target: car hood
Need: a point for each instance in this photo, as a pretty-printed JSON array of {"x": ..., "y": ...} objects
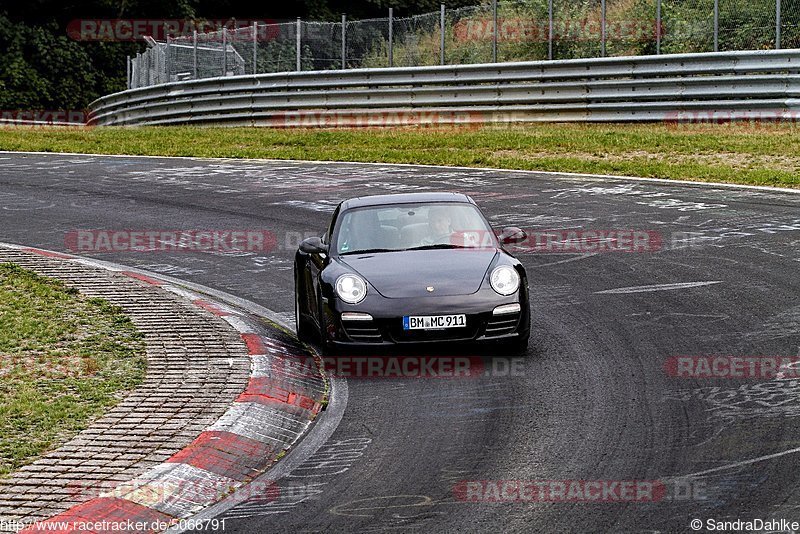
[{"x": 408, "y": 273}]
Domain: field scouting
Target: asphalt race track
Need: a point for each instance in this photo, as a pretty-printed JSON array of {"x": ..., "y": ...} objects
[{"x": 593, "y": 400}]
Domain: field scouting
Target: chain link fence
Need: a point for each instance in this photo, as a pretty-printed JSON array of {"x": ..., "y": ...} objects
[{"x": 508, "y": 30}]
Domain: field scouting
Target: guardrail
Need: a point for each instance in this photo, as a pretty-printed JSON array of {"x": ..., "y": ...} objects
[{"x": 642, "y": 88}]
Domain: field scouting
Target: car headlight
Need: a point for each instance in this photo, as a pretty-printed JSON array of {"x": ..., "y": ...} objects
[
  {"x": 351, "y": 288},
  {"x": 505, "y": 280}
]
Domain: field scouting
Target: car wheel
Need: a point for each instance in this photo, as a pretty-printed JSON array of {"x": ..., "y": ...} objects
[
  {"x": 326, "y": 346},
  {"x": 304, "y": 333},
  {"x": 303, "y": 330},
  {"x": 519, "y": 346}
]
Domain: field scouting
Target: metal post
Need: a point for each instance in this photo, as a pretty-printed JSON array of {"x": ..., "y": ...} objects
[
  {"x": 194, "y": 54},
  {"x": 159, "y": 56},
  {"x": 128, "y": 73},
  {"x": 167, "y": 63},
  {"x": 777, "y": 24},
  {"x": 224, "y": 51},
  {"x": 550, "y": 29},
  {"x": 658, "y": 26},
  {"x": 441, "y": 29},
  {"x": 494, "y": 33},
  {"x": 344, "y": 41},
  {"x": 391, "y": 37},
  {"x": 299, "y": 23},
  {"x": 716, "y": 25},
  {"x": 602, "y": 28},
  {"x": 255, "y": 47}
]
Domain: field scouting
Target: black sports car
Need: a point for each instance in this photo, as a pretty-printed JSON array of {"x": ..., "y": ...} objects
[{"x": 411, "y": 268}]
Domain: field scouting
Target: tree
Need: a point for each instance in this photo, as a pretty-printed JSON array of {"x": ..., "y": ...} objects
[{"x": 43, "y": 68}]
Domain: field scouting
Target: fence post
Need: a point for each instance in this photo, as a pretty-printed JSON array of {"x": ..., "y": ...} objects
[
  {"x": 777, "y": 24},
  {"x": 494, "y": 33},
  {"x": 128, "y": 73},
  {"x": 167, "y": 62},
  {"x": 549, "y": 29},
  {"x": 194, "y": 54},
  {"x": 224, "y": 51},
  {"x": 255, "y": 47},
  {"x": 299, "y": 29},
  {"x": 391, "y": 37},
  {"x": 602, "y": 28},
  {"x": 716, "y": 25},
  {"x": 441, "y": 29},
  {"x": 344, "y": 41},
  {"x": 658, "y": 26}
]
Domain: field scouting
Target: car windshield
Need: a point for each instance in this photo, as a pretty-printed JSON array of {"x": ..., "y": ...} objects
[{"x": 412, "y": 226}]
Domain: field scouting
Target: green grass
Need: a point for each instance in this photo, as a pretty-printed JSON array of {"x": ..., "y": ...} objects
[
  {"x": 738, "y": 153},
  {"x": 64, "y": 360}
]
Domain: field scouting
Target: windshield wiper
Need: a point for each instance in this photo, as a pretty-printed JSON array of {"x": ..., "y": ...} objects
[
  {"x": 368, "y": 251},
  {"x": 439, "y": 246}
]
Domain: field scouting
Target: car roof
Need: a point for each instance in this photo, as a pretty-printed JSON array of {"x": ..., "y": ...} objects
[{"x": 404, "y": 198}]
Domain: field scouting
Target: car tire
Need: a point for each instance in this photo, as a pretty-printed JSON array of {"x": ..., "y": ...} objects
[
  {"x": 304, "y": 332},
  {"x": 519, "y": 345},
  {"x": 326, "y": 346}
]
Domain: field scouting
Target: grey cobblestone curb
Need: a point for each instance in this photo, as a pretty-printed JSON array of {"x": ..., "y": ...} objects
[{"x": 215, "y": 410}]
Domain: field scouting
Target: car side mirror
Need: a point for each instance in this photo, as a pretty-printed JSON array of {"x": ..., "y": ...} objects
[
  {"x": 313, "y": 245},
  {"x": 512, "y": 234}
]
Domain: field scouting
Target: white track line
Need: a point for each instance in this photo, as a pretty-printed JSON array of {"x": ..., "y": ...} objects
[{"x": 659, "y": 287}]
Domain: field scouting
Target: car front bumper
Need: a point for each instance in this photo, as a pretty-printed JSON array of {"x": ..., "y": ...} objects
[{"x": 386, "y": 324}]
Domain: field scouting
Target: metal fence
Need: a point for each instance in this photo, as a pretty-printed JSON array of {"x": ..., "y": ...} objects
[
  {"x": 511, "y": 30},
  {"x": 176, "y": 60}
]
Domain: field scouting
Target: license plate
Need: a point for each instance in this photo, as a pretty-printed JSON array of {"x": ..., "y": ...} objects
[{"x": 433, "y": 322}]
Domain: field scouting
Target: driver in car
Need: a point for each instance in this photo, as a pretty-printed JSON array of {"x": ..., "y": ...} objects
[{"x": 439, "y": 227}]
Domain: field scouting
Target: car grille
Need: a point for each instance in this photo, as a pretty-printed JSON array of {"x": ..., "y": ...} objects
[
  {"x": 362, "y": 331},
  {"x": 501, "y": 325}
]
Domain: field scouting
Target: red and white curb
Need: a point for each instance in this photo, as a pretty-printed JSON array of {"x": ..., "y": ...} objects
[{"x": 285, "y": 393}]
